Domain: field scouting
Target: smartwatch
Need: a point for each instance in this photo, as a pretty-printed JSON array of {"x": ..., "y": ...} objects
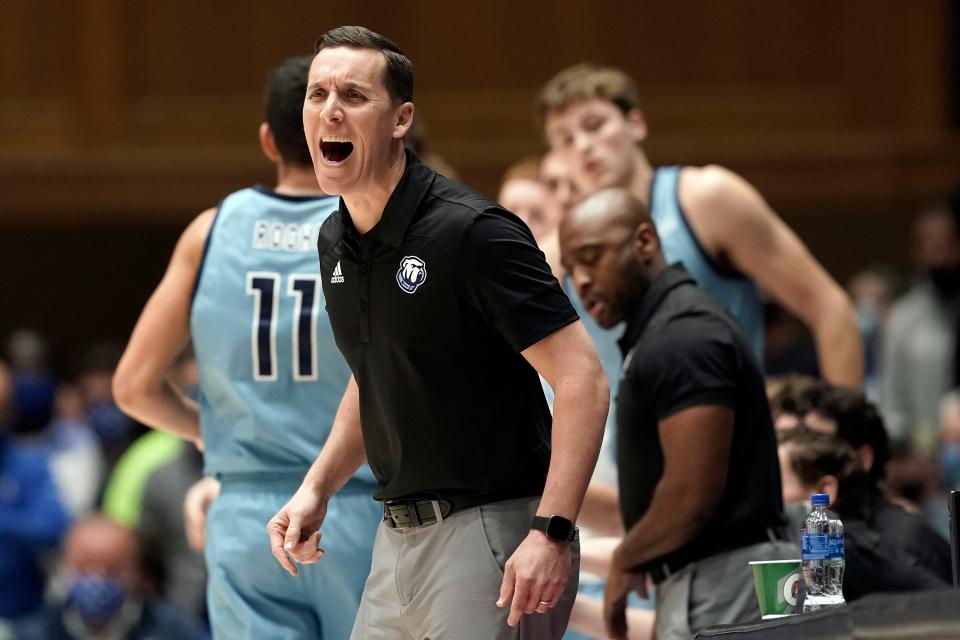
[{"x": 557, "y": 528}]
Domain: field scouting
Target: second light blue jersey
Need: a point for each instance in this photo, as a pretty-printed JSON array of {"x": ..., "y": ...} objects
[
  {"x": 271, "y": 377},
  {"x": 679, "y": 243}
]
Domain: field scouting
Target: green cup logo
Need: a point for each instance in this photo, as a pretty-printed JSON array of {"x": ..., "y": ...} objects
[
  {"x": 777, "y": 583},
  {"x": 787, "y": 589}
]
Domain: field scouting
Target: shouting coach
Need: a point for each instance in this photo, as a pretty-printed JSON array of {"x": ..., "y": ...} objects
[{"x": 445, "y": 310}]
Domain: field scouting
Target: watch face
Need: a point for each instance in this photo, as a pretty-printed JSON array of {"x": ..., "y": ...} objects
[{"x": 559, "y": 528}]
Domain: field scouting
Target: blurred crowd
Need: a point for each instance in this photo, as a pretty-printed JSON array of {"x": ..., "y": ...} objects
[
  {"x": 92, "y": 539},
  {"x": 92, "y": 535}
]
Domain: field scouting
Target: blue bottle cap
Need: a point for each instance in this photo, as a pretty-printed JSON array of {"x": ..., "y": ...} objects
[{"x": 820, "y": 499}]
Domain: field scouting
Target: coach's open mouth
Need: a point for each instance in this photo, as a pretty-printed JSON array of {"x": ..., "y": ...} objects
[{"x": 335, "y": 150}]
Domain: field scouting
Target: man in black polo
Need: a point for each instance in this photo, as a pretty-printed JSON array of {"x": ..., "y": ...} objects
[
  {"x": 445, "y": 311},
  {"x": 699, "y": 476}
]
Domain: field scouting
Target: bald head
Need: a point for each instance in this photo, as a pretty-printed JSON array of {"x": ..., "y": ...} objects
[
  {"x": 99, "y": 545},
  {"x": 614, "y": 206},
  {"x": 609, "y": 246}
]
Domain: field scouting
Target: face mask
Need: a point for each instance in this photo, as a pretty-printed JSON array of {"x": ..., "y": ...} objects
[
  {"x": 950, "y": 465},
  {"x": 96, "y": 598}
]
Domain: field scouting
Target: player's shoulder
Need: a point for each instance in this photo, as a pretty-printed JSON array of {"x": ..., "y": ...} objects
[
  {"x": 194, "y": 237},
  {"x": 709, "y": 182}
]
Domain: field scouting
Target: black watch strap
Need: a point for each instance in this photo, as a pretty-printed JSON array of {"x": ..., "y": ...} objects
[{"x": 556, "y": 528}]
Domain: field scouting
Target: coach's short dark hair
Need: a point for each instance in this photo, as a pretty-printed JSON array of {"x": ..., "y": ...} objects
[
  {"x": 398, "y": 74},
  {"x": 283, "y": 109}
]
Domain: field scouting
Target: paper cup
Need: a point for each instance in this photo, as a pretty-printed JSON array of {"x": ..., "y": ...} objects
[{"x": 778, "y": 586}]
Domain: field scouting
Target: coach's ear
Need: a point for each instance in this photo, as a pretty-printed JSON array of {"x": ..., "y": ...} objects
[
  {"x": 404, "y": 120},
  {"x": 267, "y": 144}
]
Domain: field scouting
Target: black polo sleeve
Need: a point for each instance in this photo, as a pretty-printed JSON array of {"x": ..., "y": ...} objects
[
  {"x": 692, "y": 362},
  {"x": 507, "y": 279}
]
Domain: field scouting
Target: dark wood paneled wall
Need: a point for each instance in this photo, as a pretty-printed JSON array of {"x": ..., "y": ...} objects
[{"x": 119, "y": 119}]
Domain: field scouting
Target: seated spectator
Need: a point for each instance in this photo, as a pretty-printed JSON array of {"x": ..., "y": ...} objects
[
  {"x": 792, "y": 397},
  {"x": 855, "y": 420},
  {"x": 101, "y": 592},
  {"x": 815, "y": 462},
  {"x": 847, "y": 414},
  {"x": 75, "y": 457},
  {"x": 32, "y": 519}
]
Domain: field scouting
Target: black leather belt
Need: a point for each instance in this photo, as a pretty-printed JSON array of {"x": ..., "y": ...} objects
[
  {"x": 661, "y": 570},
  {"x": 405, "y": 514}
]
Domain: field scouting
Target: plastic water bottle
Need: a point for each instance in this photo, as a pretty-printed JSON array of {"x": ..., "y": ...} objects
[{"x": 821, "y": 553}]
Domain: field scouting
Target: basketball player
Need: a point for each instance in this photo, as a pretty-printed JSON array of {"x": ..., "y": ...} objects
[
  {"x": 709, "y": 218},
  {"x": 244, "y": 285}
]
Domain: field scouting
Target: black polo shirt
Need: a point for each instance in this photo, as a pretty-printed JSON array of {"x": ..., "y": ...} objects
[
  {"x": 431, "y": 309},
  {"x": 682, "y": 349}
]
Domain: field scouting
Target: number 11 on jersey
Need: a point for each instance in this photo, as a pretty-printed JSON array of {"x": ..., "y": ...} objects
[{"x": 264, "y": 286}]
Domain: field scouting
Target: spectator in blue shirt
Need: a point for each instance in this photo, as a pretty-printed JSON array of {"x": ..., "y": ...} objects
[{"x": 32, "y": 518}]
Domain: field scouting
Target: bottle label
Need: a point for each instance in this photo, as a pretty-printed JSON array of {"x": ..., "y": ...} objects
[{"x": 821, "y": 546}]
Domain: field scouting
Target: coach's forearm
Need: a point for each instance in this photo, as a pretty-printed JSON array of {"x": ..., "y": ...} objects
[
  {"x": 343, "y": 452},
  {"x": 580, "y": 406}
]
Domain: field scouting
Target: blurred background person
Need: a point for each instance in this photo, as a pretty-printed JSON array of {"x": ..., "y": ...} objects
[
  {"x": 100, "y": 592},
  {"x": 873, "y": 291},
  {"x": 557, "y": 174},
  {"x": 812, "y": 462},
  {"x": 145, "y": 493},
  {"x": 848, "y": 415},
  {"x": 525, "y": 194},
  {"x": 920, "y": 343},
  {"x": 32, "y": 518},
  {"x": 50, "y": 417},
  {"x": 34, "y": 388}
]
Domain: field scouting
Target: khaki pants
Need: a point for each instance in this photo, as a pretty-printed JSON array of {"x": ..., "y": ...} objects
[
  {"x": 714, "y": 590},
  {"x": 442, "y": 581}
]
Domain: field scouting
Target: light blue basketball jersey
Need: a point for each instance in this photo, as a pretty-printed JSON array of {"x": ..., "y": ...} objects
[
  {"x": 271, "y": 376},
  {"x": 679, "y": 244}
]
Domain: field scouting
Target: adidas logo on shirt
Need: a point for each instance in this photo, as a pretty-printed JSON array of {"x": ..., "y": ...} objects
[{"x": 337, "y": 275}]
